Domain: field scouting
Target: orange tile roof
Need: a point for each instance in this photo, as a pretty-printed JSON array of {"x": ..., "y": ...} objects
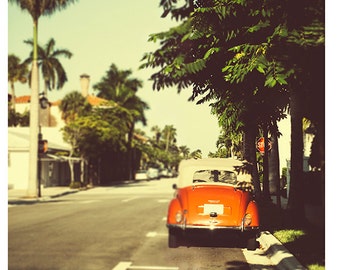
[
  {"x": 93, "y": 100},
  {"x": 23, "y": 99},
  {"x": 55, "y": 103},
  {"x": 140, "y": 137}
]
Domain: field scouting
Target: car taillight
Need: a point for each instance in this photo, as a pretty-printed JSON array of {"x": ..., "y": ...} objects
[
  {"x": 247, "y": 220},
  {"x": 179, "y": 216}
]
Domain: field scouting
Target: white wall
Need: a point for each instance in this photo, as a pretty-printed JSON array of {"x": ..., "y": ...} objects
[{"x": 18, "y": 176}]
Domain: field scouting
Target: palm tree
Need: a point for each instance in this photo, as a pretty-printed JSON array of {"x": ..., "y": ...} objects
[
  {"x": 73, "y": 105},
  {"x": 52, "y": 70},
  {"x": 169, "y": 135},
  {"x": 196, "y": 154},
  {"x": 17, "y": 72},
  {"x": 156, "y": 129},
  {"x": 117, "y": 86},
  {"x": 185, "y": 151},
  {"x": 37, "y": 9}
]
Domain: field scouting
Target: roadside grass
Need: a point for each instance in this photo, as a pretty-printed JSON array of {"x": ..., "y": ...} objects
[{"x": 306, "y": 242}]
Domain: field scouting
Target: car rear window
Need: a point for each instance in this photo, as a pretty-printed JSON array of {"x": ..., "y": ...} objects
[{"x": 211, "y": 176}]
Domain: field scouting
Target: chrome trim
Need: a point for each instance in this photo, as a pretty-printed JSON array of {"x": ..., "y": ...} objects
[{"x": 238, "y": 228}]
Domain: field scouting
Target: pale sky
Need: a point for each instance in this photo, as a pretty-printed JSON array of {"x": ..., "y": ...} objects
[{"x": 115, "y": 32}]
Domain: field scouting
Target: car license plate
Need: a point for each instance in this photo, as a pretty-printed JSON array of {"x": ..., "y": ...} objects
[{"x": 217, "y": 208}]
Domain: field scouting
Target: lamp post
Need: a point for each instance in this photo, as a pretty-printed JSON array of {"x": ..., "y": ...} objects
[{"x": 42, "y": 149}]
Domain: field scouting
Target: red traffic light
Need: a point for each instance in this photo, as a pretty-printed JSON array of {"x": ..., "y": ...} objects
[{"x": 42, "y": 146}]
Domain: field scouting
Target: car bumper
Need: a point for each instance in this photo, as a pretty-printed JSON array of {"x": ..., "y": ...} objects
[{"x": 212, "y": 227}]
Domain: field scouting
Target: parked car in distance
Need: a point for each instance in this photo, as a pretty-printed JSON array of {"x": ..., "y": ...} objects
[
  {"x": 166, "y": 173},
  {"x": 153, "y": 173},
  {"x": 141, "y": 175},
  {"x": 213, "y": 195}
]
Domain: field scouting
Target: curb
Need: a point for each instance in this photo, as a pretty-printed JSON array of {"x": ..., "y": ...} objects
[
  {"x": 63, "y": 194},
  {"x": 278, "y": 254},
  {"x": 25, "y": 200}
]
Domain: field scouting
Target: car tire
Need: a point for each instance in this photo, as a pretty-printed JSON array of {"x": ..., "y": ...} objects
[
  {"x": 173, "y": 239},
  {"x": 252, "y": 244}
]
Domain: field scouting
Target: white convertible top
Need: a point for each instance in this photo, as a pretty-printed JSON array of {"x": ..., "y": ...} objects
[{"x": 188, "y": 167}]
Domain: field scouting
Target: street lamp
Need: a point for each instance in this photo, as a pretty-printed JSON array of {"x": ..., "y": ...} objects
[{"x": 43, "y": 101}]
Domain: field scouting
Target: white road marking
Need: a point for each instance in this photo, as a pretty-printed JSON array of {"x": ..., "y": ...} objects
[
  {"x": 163, "y": 200},
  {"x": 154, "y": 234},
  {"x": 151, "y": 234},
  {"x": 152, "y": 268},
  {"x": 122, "y": 266},
  {"x": 128, "y": 266},
  {"x": 89, "y": 201},
  {"x": 130, "y": 199}
]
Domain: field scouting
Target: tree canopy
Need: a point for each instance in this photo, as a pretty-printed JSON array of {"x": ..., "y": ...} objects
[{"x": 252, "y": 60}]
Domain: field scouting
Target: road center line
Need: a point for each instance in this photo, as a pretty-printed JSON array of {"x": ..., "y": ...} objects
[{"x": 130, "y": 199}]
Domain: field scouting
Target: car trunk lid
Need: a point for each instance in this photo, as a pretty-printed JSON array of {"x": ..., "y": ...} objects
[{"x": 213, "y": 205}]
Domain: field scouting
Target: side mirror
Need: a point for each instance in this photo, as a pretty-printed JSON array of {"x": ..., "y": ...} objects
[{"x": 174, "y": 186}]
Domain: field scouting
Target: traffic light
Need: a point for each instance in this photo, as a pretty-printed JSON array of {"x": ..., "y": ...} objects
[{"x": 42, "y": 146}]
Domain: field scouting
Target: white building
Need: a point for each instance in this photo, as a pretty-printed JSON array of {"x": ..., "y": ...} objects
[{"x": 55, "y": 170}]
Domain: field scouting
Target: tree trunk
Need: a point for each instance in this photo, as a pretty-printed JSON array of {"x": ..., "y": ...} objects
[
  {"x": 13, "y": 96},
  {"x": 70, "y": 164},
  {"x": 34, "y": 120},
  {"x": 266, "y": 194},
  {"x": 249, "y": 154},
  {"x": 274, "y": 167},
  {"x": 129, "y": 153},
  {"x": 295, "y": 199}
]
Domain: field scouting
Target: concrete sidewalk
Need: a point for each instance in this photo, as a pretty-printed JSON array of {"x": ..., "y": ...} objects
[
  {"x": 280, "y": 257},
  {"x": 17, "y": 196}
]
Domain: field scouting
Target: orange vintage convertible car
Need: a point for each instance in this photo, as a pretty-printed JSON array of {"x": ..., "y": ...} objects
[{"x": 213, "y": 194}]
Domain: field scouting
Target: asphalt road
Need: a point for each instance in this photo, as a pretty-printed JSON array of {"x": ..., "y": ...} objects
[{"x": 113, "y": 228}]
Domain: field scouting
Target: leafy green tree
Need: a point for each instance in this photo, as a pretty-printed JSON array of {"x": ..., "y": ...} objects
[
  {"x": 53, "y": 72},
  {"x": 18, "y": 119},
  {"x": 248, "y": 52},
  {"x": 100, "y": 131},
  {"x": 117, "y": 86},
  {"x": 17, "y": 72},
  {"x": 97, "y": 132},
  {"x": 72, "y": 106}
]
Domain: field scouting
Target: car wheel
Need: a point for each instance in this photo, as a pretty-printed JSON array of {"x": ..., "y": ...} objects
[
  {"x": 252, "y": 244},
  {"x": 173, "y": 239}
]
